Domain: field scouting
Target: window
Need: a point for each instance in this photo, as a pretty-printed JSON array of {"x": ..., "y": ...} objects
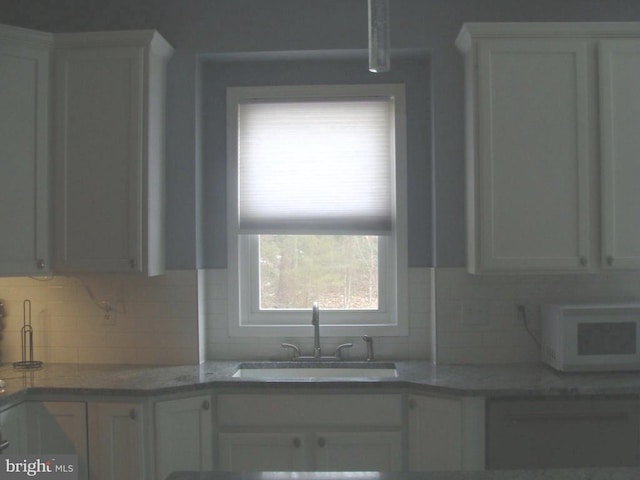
[{"x": 316, "y": 209}]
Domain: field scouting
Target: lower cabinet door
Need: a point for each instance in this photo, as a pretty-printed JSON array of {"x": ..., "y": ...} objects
[
  {"x": 251, "y": 452},
  {"x": 435, "y": 433},
  {"x": 358, "y": 451},
  {"x": 13, "y": 427},
  {"x": 59, "y": 428},
  {"x": 183, "y": 435},
  {"x": 116, "y": 440}
]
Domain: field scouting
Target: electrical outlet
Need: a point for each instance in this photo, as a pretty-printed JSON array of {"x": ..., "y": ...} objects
[
  {"x": 531, "y": 310},
  {"x": 109, "y": 314},
  {"x": 475, "y": 313}
]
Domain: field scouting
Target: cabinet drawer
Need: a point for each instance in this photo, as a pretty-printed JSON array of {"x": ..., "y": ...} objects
[{"x": 326, "y": 410}]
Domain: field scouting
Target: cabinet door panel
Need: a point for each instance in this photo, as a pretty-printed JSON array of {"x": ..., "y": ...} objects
[
  {"x": 116, "y": 440},
  {"x": 358, "y": 451},
  {"x": 183, "y": 435},
  {"x": 99, "y": 132},
  {"x": 58, "y": 427},
  {"x": 435, "y": 434},
  {"x": 13, "y": 426},
  {"x": 24, "y": 157},
  {"x": 532, "y": 171},
  {"x": 620, "y": 145},
  {"x": 252, "y": 452}
]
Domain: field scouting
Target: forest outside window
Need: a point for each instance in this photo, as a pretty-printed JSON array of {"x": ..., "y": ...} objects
[{"x": 317, "y": 209}]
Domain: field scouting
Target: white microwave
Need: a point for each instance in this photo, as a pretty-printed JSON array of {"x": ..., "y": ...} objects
[{"x": 591, "y": 337}]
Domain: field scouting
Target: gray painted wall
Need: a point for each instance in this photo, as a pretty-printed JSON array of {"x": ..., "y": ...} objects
[{"x": 196, "y": 27}]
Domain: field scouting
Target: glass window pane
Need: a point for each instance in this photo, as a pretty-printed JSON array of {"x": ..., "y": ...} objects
[{"x": 338, "y": 271}]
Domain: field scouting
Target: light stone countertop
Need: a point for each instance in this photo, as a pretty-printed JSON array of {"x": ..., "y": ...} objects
[
  {"x": 515, "y": 380},
  {"x": 552, "y": 474}
]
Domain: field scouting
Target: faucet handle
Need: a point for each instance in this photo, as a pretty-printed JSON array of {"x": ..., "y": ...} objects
[
  {"x": 369, "y": 341},
  {"x": 338, "y": 352},
  {"x": 295, "y": 351}
]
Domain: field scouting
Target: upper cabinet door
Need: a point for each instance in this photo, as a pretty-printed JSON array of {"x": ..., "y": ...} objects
[
  {"x": 529, "y": 158},
  {"x": 109, "y": 152},
  {"x": 24, "y": 151},
  {"x": 99, "y": 121},
  {"x": 620, "y": 152}
]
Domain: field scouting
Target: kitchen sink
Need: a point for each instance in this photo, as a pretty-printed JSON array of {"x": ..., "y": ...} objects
[{"x": 299, "y": 370}]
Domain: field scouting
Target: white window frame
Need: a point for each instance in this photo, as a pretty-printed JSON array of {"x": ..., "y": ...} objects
[{"x": 245, "y": 317}]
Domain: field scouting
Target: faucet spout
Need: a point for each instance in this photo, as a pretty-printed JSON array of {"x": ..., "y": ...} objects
[{"x": 315, "y": 321}]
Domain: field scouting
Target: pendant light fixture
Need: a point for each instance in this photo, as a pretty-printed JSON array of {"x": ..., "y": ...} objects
[{"x": 379, "y": 45}]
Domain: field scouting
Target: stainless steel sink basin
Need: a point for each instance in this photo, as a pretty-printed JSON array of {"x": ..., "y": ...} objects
[{"x": 293, "y": 370}]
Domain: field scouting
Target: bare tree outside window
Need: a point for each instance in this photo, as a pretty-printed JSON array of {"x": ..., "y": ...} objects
[{"x": 338, "y": 271}]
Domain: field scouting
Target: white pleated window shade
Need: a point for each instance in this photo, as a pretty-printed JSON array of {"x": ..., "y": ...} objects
[{"x": 309, "y": 166}]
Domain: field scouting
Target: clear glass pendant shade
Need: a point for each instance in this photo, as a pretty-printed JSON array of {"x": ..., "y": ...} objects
[{"x": 379, "y": 44}]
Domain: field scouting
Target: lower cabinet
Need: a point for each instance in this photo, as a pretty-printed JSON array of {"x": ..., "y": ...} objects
[
  {"x": 358, "y": 451},
  {"x": 109, "y": 438},
  {"x": 317, "y": 451},
  {"x": 183, "y": 435},
  {"x": 13, "y": 427},
  {"x": 260, "y": 451},
  {"x": 261, "y": 431},
  {"x": 58, "y": 428},
  {"x": 117, "y": 441},
  {"x": 445, "y": 433},
  {"x": 321, "y": 432}
]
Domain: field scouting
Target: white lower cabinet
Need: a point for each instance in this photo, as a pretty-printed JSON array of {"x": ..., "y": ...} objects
[
  {"x": 243, "y": 432},
  {"x": 13, "y": 427},
  {"x": 58, "y": 428},
  {"x": 183, "y": 435},
  {"x": 312, "y": 432},
  {"x": 358, "y": 451},
  {"x": 254, "y": 452},
  {"x": 445, "y": 433},
  {"x": 109, "y": 437},
  {"x": 117, "y": 442}
]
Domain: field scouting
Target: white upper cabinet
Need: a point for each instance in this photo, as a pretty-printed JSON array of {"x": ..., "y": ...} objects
[
  {"x": 536, "y": 114},
  {"x": 109, "y": 151},
  {"x": 24, "y": 151},
  {"x": 619, "y": 62}
]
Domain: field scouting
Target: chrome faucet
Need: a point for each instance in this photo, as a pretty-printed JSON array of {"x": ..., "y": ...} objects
[
  {"x": 315, "y": 321},
  {"x": 317, "y": 352}
]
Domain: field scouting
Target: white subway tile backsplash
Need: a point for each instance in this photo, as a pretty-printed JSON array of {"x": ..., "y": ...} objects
[
  {"x": 182, "y": 317},
  {"x": 417, "y": 345},
  {"x": 156, "y": 319},
  {"x": 502, "y": 337}
]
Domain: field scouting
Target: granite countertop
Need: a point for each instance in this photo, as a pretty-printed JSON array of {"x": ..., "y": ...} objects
[
  {"x": 559, "y": 474},
  {"x": 515, "y": 380}
]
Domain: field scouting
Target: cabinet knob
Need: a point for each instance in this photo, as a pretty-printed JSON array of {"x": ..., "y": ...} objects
[
  {"x": 296, "y": 442},
  {"x": 609, "y": 260},
  {"x": 41, "y": 264},
  {"x": 321, "y": 442},
  {"x": 206, "y": 405},
  {"x": 583, "y": 261},
  {"x": 132, "y": 263},
  {"x": 133, "y": 414}
]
